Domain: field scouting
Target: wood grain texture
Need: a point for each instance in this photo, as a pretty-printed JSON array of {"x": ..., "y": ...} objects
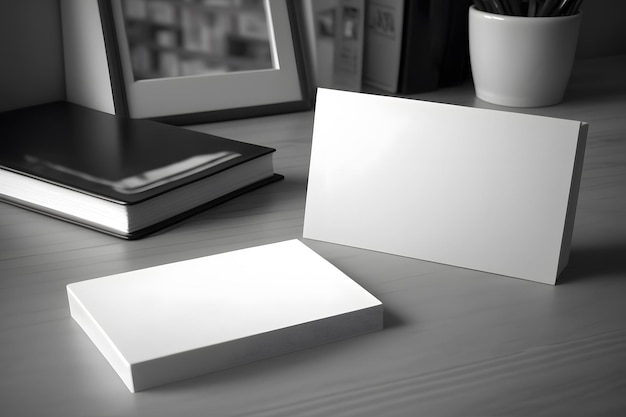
[{"x": 455, "y": 342}]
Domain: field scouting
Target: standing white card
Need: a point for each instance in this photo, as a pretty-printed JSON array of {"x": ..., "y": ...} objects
[
  {"x": 179, "y": 320},
  {"x": 481, "y": 189}
]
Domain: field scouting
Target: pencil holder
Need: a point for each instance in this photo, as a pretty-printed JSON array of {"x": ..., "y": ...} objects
[{"x": 521, "y": 61}]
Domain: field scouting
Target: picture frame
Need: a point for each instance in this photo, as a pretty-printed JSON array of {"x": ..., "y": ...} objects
[{"x": 283, "y": 85}]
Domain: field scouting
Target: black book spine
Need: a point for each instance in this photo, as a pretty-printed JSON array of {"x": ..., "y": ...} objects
[
  {"x": 456, "y": 63},
  {"x": 435, "y": 46},
  {"x": 418, "y": 66}
]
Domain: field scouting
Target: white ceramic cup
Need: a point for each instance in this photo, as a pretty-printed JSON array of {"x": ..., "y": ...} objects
[{"x": 521, "y": 61}]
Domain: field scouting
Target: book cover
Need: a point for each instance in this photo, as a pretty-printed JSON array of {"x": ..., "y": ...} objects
[
  {"x": 176, "y": 321},
  {"x": 336, "y": 29},
  {"x": 119, "y": 162},
  {"x": 416, "y": 46},
  {"x": 435, "y": 50},
  {"x": 423, "y": 42},
  {"x": 384, "y": 27}
]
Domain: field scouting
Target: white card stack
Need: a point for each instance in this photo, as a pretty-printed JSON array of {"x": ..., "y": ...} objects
[{"x": 183, "y": 319}]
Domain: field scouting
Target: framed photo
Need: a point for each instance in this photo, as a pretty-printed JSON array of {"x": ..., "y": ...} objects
[{"x": 195, "y": 61}]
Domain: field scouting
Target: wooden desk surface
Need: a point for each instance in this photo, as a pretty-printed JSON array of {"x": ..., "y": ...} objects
[{"x": 456, "y": 342}]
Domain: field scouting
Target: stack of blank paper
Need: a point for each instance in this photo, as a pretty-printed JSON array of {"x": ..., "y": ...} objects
[
  {"x": 183, "y": 319},
  {"x": 482, "y": 189}
]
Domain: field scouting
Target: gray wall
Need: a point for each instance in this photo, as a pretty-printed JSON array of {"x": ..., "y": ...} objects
[
  {"x": 31, "y": 53},
  {"x": 31, "y": 50},
  {"x": 603, "y": 30}
]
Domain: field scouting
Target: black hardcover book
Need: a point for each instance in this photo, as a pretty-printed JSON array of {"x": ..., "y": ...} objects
[
  {"x": 435, "y": 50},
  {"x": 421, "y": 48},
  {"x": 125, "y": 177}
]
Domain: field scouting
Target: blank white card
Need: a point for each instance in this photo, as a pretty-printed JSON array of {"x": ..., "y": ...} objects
[{"x": 482, "y": 189}]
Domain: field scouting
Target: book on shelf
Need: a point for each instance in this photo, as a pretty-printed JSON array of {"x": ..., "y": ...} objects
[
  {"x": 336, "y": 32},
  {"x": 184, "y": 319},
  {"x": 383, "y": 43},
  {"x": 415, "y": 46},
  {"x": 126, "y": 177}
]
